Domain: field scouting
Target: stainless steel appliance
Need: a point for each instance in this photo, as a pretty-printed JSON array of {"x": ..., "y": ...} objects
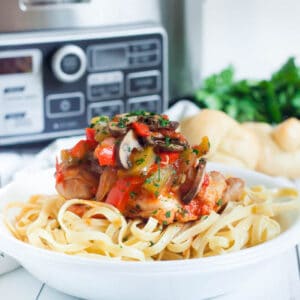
[
  {"x": 183, "y": 22},
  {"x": 58, "y": 69}
]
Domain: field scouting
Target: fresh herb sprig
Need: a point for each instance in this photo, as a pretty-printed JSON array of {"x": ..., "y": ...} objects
[{"x": 271, "y": 100}]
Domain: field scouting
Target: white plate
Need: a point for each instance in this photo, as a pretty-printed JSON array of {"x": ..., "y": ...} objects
[{"x": 186, "y": 279}]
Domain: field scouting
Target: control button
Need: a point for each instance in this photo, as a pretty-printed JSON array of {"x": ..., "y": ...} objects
[
  {"x": 144, "y": 46},
  {"x": 105, "y": 91},
  {"x": 69, "y": 63},
  {"x": 108, "y": 85},
  {"x": 104, "y": 108},
  {"x": 144, "y": 60},
  {"x": 65, "y": 105},
  {"x": 149, "y": 103},
  {"x": 142, "y": 83}
]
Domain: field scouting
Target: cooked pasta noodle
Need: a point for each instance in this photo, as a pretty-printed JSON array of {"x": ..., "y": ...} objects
[{"x": 103, "y": 232}]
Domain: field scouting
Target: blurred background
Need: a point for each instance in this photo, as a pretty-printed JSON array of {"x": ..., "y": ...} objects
[{"x": 64, "y": 61}]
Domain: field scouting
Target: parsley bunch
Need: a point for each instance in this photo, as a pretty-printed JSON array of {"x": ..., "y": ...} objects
[{"x": 271, "y": 100}]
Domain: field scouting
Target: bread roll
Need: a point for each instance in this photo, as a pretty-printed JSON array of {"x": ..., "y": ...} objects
[
  {"x": 271, "y": 150},
  {"x": 230, "y": 142},
  {"x": 287, "y": 135},
  {"x": 280, "y": 148}
]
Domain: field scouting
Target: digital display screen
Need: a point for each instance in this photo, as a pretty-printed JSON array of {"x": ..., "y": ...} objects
[
  {"x": 109, "y": 58},
  {"x": 15, "y": 65}
]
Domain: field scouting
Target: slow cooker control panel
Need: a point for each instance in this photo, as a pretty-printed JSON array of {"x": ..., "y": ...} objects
[{"x": 53, "y": 88}]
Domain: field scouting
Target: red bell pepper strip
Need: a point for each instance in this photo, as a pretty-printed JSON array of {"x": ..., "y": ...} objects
[
  {"x": 168, "y": 158},
  {"x": 141, "y": 129},
  {"x": 106, "y": 152},
  {"x": 90, "y": 137},
  {"x": 80, "y": 149},
  {"x": 119, "y": 195},
  {"x": 59, "y": 176}
]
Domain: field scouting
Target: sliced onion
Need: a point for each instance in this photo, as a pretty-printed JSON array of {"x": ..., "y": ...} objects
[{"x": 106, "y": 182}]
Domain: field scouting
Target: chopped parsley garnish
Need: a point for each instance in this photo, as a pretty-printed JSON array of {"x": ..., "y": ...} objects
[
  {"x": 148, "y": 180},
  {"x": 163, "y": 122},
  {"x": 168, "y": 140},
  {"x": 156, "y": 193},
  {"x": 97, "y": 120},
  {"x": 151, "y": 243},
  {"x": 168, "y": 214},
  {"x": 154, "y": 212},
  {"x": 137, "y": 113},
  {"x": 165, "y": 223},
  {"x": 139, "y": 161},
  {"x": 122, "y": 122},
  {"x": 219, "y": 202},
  {"x": 132, "y": 194},
  {"x": 103, "y": 119},
  {"x": 158, "y": 173},
  {"x": 196, "y": 151},
  {"x": 157, "y": 159}
]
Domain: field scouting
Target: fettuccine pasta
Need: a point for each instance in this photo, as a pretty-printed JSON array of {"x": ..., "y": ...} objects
[{"x": 103, "y": 232}]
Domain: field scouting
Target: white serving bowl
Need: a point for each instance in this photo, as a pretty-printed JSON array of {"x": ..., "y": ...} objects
[{"x": 185, "y": 279}]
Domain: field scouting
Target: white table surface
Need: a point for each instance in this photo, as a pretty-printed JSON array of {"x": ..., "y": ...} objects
[{"x": 278, "y": 280}]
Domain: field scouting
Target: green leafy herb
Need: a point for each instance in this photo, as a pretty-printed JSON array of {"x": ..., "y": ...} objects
[
  {"x": 157, "y": 159},
  {"x": 196, "y": 151},
  {"x": 220, "y": 202},
  {"x": 122, "y": 122},
  {"x": 148, "y": 180},
  {"x": 165, "y": 223},
  {"x": 272, "y": 100},
  {"x": 168, "y": 140},
  {"x": 132, "y": 194},
  {"x": 168, "y": 214},
  {"x": 163, "y": 122},
  {"x": 140, "y": 161}
]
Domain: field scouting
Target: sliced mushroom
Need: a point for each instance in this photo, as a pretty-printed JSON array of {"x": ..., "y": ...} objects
[
  {"x": 154, "y": 122},
  {"x": 196, "y": 185},
  {"x": 116, "y": 130},
  {"x": 163, "y": 146},
  {"x": 128, "y": 143}
]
